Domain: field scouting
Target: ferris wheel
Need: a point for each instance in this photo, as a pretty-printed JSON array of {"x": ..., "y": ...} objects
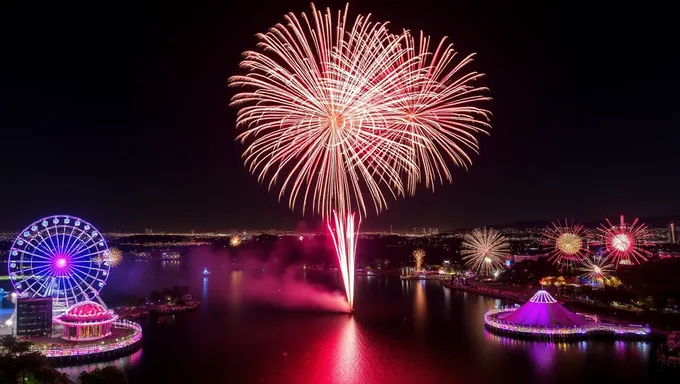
[{"x": 62, "y": 257}]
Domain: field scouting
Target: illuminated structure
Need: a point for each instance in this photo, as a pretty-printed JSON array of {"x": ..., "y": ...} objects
[
  {"x": 543, "y": 316},
  {"x": 567, "y": 243},
  {"x": 65, "y": 261},
  {"x": 342, "y": 114},
  {"x": 624, "y": 242},
  {"x": 485, "y": 250},
  {"x": 86, "y": 321},
  {"x": 60, "y": 257}
]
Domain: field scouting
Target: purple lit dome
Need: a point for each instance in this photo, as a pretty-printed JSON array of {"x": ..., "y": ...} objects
[{"x": 542, "y": 310}]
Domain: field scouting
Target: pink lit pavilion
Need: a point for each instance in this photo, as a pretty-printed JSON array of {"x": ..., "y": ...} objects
[
  {"x": 86, "y": 321},
  {"x": 543, "y": 311},
  {"x": 543, "y": 316}
]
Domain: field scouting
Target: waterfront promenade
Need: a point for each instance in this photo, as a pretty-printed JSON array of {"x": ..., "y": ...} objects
[{"x": 488, "y": 291}]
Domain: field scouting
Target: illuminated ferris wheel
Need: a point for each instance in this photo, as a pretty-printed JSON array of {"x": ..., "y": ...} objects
[{"x": 62, "y": 257}]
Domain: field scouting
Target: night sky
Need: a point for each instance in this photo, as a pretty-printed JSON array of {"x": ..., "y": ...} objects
[{"x": 119, "y": 114}]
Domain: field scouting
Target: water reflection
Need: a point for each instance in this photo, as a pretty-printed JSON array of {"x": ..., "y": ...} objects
[
  {"x": 447, "y": 304},
  {"x": 123, "y": 363},
  {"x": 420, "y": 306},
  {"x": 348, "y": 362},
  {"x": 401, "y": 333},
  {"x": 204, "y": 295},
  {"x": 547, "y": 356},
  {"x": 236, "y": 289}
]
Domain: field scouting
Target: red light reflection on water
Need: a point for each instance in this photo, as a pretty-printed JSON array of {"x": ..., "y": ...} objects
[
  {"x": 349, "y": 355},
  {"x": 336, "y": 359}
]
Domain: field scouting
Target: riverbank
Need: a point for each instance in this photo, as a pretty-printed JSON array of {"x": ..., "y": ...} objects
[
  {"x": 613, "y": 315},
  {"x": 488, "y": 291},
  {"x": 138, "y": 312}
]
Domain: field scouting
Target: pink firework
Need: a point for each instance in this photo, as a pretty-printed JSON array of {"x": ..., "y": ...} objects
[
  {"x": 567, "y": 242},
  {"x": 623, "y": 243},
  {"x": 439, "y": 113},
  {"x": 341, "y": 114}
]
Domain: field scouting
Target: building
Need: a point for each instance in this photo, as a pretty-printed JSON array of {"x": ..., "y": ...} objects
[
  {"x": 34, "y": 316},
  {"x": 86, "y": 321}
]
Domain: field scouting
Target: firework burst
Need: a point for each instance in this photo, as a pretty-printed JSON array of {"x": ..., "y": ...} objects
[
  {"x": 418, "y": 257},
  {"x": 339, "y": 115},
  {"x": 596, "y": 269},
  {"x": 567, "y": 242},
  {"x": 484, "y": 250},
  {"x": 235, "y": 241},
  {"x": 114, "y": 257},
  {"x": 623, "y": 243},
  {"x": 438, "y": 112}
]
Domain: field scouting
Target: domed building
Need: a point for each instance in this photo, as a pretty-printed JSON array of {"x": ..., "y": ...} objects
[{"x": 86, "y": 321}]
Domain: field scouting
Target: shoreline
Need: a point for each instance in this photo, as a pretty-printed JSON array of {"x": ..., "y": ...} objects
[
  {"x": 138, "y": 312},
  {"x": 521, "y": 298}
]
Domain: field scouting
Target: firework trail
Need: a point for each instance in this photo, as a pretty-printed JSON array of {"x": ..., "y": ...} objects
[
  {"x": 341, "y": 114},
  {"x": 418, "y": 257}
]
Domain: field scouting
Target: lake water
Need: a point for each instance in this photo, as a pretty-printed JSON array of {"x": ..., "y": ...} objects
[{"x": 401, "y": 332}]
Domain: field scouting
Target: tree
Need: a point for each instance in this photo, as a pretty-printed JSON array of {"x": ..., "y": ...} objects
[
  {"x": 18, "y": 359},
  {"x": 106, "y": 375}
]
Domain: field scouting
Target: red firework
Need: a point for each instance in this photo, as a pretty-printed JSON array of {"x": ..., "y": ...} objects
[
  {"x": 341, "y": 114},
  {"x": 624, "y": 242},
  {"x": 568, "y": 243}
]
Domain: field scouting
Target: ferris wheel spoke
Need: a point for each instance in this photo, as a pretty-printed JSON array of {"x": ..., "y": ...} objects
[
  {"x": 87, "y": 271},
  {"x": 73, "y": 241},
  {"x": 88, "y": 284},
  {"x": 37, "y": 281},
  {"x": 80, "y": 286},
  {"x": 66, "y": 237},
  {"x": 36, "y": 255},
  {"x": 89, "y": 254},
  {"x": 55, "y": 247},
  {"x": 77, "y": 243},
  {"x": 71, "y": 289},
  {"x": 39, "y": 268},
  {"x": 36, "y": 247},
  {"x": 43, "y": 243},
  {"x": 94, "y": 242},
  {"x": 83, "y": 242}
]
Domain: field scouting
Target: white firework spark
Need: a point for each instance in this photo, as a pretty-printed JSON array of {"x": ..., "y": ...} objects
[{"x": 484, "y": 250}]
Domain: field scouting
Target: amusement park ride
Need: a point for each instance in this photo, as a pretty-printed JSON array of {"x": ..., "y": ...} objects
[
  {"x": 57, "y": 266},
  {"x": 62, "y": 257}
]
